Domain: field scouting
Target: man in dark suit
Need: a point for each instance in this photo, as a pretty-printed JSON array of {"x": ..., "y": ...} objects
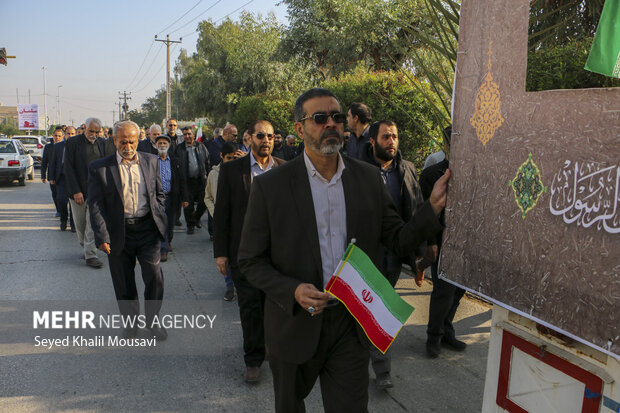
[
  {"x": 48, "y": 154},
  {"x": 56, "y": 177},
  {"x": 171, "y": 177},
  {"x": 233, "y": 189},
  {"x": 300, "y": 219},
  {"x": 148, "y": 145},
  {"x": 80, "y": 151},
  {"x": 194, "y": 161},
  {"x": 400, "y": 179},
  {"x": 128, "y": 217},
  {"x": 445, "y": 297}
]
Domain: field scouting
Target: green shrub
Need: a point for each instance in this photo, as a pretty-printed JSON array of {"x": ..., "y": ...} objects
[
  {"x": 562, "y": 67},
  {"x": 390, "y": 95},
  {"x": 277, "y": 110}
]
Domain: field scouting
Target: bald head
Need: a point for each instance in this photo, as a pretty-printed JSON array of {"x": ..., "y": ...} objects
[{"x": 230, "y": 133}]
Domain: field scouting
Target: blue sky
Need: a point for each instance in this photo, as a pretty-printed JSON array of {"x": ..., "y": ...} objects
[{"x": 95, "y": 48}]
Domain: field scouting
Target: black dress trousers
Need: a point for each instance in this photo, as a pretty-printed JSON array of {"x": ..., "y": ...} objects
[{"x": 142, "y": 242}]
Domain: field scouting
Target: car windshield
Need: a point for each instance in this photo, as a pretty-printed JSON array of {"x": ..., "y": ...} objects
[
  {"x": 7, "y": 147},
  {"x": 28, "y": 141}
]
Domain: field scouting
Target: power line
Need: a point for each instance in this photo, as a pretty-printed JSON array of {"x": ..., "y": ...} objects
[
  {"x": 185, "y": 14},
  {"x": 136, "y": 84},
  {"x": 234, "y": 11},
  {"x": 140, "y": 68},
  {"x": 220, "y": 19},
  {"x": 156, "y": 73},
  {"x": 79, "y": 106},
  {"x": 209, "y": 8}
]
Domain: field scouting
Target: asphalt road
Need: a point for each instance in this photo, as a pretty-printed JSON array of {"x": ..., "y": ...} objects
[{"x": 195, "y": 369}]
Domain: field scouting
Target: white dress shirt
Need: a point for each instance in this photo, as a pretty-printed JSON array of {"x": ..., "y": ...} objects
[
  {"x": 135, "y": 196},
  {"x": 331, "y": 215},
  {"x": 256, "y": 169}
]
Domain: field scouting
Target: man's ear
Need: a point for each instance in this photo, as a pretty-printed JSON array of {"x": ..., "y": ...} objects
[{"x": 299, "y": 128}]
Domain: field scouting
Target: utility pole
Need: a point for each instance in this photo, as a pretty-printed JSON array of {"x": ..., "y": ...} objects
[
  {"x": 45, "y": 98},
  {"x": 168, "y": 43},
  {"x": 17, "y": 90},
  {"x": 113, "y": 117},
  {"x": 123, "y": 115}
]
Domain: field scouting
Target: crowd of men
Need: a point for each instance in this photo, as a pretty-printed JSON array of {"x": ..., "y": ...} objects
[{"x": 280, "y": 215}]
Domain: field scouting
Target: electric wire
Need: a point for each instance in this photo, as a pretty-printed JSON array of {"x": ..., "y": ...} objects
[
  {"x": 209, "y": 8},
  {"x": 185, "y": 14},
  {"x": 220, "y": 19},
  {"x": 148, "y": 70},
  {"x": 142, "y": 64}
]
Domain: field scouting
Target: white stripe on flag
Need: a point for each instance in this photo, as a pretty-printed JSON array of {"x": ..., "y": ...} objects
[{"x": 390, "y": 324}]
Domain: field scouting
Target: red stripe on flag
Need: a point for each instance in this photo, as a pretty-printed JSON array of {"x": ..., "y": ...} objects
[{"x": 375, "y": 333}]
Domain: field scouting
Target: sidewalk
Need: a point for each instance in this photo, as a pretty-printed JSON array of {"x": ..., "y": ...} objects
[{"x": 38, "y": 262}]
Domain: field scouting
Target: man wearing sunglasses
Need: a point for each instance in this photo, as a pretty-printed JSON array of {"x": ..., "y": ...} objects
[
  {"x": 233, "y": 190},
  {"x": 310, "y": 209}
]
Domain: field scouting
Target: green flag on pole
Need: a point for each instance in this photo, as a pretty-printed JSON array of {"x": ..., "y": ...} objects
[{"x": 605, "y": 53}]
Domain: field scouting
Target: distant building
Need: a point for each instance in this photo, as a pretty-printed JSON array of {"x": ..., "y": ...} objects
[{"x": 8, "y": 112}]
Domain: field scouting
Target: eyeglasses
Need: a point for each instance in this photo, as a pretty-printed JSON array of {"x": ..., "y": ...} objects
[
  {"x": 261, "y": 135},
  {"x": 171, "y": 125},
  {"x": 320, "y": 118}
]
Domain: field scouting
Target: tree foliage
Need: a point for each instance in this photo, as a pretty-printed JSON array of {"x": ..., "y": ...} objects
[
  {"x": 394, "y": 96},
  {"x": 561, "y": 67},
  {"x": 235, "y": 59},
  {"x": 559, "y": 22},
  {"x": 337, "y": 36},
  {"x": 276, "y": 109}
]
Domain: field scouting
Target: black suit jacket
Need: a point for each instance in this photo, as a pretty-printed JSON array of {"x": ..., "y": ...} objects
[
  {"x": 105, "y": 199},
  {"x": 177, "y": 189},
  {"x": 55, "y": 170},
  {"x": 76, "y": 164},
  {"x": 48, "y": 154},
  {"x": 233, "y": 191},
  {"x": 280, "y": 247},
  {"x": 203, "y": 162},
  {"x": 147, "y": 146}
]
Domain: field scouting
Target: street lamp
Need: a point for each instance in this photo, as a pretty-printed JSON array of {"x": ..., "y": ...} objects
[
  {"x": 45, "y": 98},
  {"x": 58, "y": 104}
]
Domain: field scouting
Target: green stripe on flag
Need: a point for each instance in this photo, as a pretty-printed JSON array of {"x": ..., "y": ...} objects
[
  {"x": 605, "y": 53},
  {"x": 356, "y": 258}
]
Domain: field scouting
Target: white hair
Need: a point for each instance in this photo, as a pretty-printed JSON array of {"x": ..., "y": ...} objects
[
  {"x": 155, "y": 127},
  {"x": 90, "y": 121},
  {"x": 124, "y": 123}
]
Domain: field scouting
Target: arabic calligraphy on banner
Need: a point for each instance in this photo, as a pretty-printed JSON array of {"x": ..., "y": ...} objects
[
  {"x": 28, "y": 116},
  {"x": 588, "y": 194}
]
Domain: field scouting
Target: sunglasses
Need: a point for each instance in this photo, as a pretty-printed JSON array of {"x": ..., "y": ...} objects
[
  {"x": 261, "y": 135},
  {"x": 321, "y": 118}
]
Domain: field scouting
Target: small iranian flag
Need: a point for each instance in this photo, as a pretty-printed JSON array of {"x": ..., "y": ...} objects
[
  {"x": 605, "y": 53},
  {"x": 369, "y": 297},
  {"x": 199, "y": 131}
]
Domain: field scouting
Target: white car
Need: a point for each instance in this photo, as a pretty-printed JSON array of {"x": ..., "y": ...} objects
[
  {"x": 15, "y": 162},
  {"x": 34, "y": 146}
]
